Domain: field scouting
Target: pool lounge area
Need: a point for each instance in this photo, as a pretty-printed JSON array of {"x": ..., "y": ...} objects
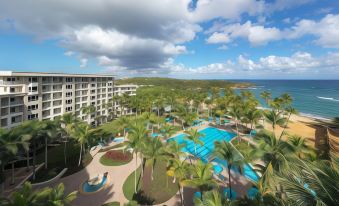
[{"x": 204, "y": 152}]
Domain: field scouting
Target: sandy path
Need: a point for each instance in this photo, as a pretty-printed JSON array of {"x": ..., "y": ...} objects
[{"x": 114, "y": 192}]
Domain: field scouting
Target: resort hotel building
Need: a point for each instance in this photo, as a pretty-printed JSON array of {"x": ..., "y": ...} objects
[{"x": 35, "y": 95}]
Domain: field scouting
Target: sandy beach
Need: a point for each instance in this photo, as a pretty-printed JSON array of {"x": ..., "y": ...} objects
[{"x": 309, "y": 128}]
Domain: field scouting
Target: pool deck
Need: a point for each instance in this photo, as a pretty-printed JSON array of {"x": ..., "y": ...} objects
[{"x": 113, "y": 192}]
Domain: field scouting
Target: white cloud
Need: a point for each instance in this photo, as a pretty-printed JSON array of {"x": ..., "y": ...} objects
[
  {"x": 218, "y": 38},
  {"x": 69, "y": 53},
  {"x": 256, "y": 35},
  {"x": 325, "y": 31},
  {"x": 83, "y": 62}
]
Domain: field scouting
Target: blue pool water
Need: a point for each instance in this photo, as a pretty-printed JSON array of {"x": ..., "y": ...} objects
[
  {"x": 204, "y": 152},
  {"x": 210, "y": 135},
  {"x": 93, "y": 188}
]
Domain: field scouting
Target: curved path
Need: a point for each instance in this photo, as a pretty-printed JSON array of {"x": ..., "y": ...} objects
[{"x": 114, "y": 192}]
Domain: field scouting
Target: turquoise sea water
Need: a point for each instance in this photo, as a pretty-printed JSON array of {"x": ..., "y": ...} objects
[{"x": 318, "y": 98}]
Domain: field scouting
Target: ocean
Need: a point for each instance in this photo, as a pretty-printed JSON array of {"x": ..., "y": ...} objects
[{"x": 314, "y": 98}]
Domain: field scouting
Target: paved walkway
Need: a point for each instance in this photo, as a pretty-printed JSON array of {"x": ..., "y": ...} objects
[{"x": 114, "y": 192}]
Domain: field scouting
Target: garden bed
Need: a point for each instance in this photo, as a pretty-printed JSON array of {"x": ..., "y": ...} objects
[{"x": 116, "y": 158}]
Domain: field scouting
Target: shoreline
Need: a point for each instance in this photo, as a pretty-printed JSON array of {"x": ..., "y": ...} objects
[{"x": 305, "y": 115}]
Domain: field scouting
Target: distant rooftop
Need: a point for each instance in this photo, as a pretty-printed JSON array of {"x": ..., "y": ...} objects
[{"x": 47, "y": 74}]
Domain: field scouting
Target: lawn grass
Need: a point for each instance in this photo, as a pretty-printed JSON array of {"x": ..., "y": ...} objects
[
  {"x": 112, "y": 204},
  {"x": 112, "y": 147},
  {"x": 111, "y": 162},
  {"x": 128, "y": 187},
  {"x": 56, "y": 162},
  {"x": 157, "y": 191}
]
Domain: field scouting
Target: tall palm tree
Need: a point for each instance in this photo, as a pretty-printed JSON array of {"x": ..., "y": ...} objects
[
  {"x": 194, "y": 136},
  {"x": 11, "y": 142},
  {"x": 88, "y": 110},
  {"x": 236, "y": 112},
  {"x": 179, "y": 170},
  {"x": 175, "y": 150},
  {"x": 67, "y": 122},
  {"x": 154, "y": 150},
  {"x": 274, "y": 117},
  {"x": 83, "y": 133},
  {"x": 289, "y": 110},
  {"x": 226, "y": 151},
  {"x": 266, "y": 96},
  {"x": 168, "y": 130},
  {"x": 202, "y": 177},
  {"x": 212, "y": 198},
  {"x": 252, "y": 116},
  {"x": 275, "y": 153},
  {"x": 123, "y": 122},
  {"x": 135, "y": 139}
]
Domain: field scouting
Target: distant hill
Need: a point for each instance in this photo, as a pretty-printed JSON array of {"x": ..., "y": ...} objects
[{"x": 182, "y": 83}]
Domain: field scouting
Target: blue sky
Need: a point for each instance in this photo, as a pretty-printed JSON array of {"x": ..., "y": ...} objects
[{"x": 224, "y": 39}]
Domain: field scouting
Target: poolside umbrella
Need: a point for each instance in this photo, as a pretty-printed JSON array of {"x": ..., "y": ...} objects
[
  {"x": 228, "y": 192},
  {"x": 252, "y": 192}
]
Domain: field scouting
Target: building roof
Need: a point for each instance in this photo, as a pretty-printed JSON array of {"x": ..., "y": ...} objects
[{"x": 47, "y": 74}]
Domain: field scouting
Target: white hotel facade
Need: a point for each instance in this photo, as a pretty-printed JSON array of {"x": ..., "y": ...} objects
[{"x": 35, "y": 95}]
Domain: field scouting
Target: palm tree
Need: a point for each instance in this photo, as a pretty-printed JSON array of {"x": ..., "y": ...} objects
[
  {"x": 179, "y": 170},
  {"x": 266, "y": 96},
  {"x": 252, "y": 116},
  {"x": 26, "y": 196},
  {"x": 275, "y": 153},
  {"x": 135, "y": 137},
  {"x": 67, "y": 122},
  {"x": 289, "y": 110},
  {"x": 88, "y": 110},
  {"x": 236, "y": 112},
  {"x": 194, "y": 136},
  {"x": 175, "y": 150},
  {"x": 123, "y": 122},
  {"x": 154, "y": 150},
  {"x": 82, "y": 133},
  {"x": 274, "y": 117},
  {"x": 211, "y": 198},
  {"x": 311, "y": 183},
  {"x": 57, "y": 197},
  {"x": 226, "y": 151},
  {"x": 168, "y": 130},
  {"x": 10, "y": 142},
  {"x": 202, "y": 177},
  {"x": 299, "y": 146},
  {"x": 186, "y": 116}
]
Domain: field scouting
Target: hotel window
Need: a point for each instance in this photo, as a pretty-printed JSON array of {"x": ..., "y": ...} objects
[
  {"x": 68, "y": 94},
  {"x": 11, "y": 79},
  {"x": 68, "y": 109},
  {"x": 69, "y": 79},
  {"x": 32, "y": 107},
  {"x": 12, "y": 110},
  {"x": 12, "y": 99},
  {"x": 92, "y": 79},
  {"x": 33, "y": 98},
  {"x": 92, "y": 85},
  {"x": 32, "y": 116},
  {"x": 33, "y": 89},
  {"x": 33, "y": 79},
  {"x": 68, "y": 101},
  {"x": 68, "y": 86},
  {"x": 12, "y": 89}
]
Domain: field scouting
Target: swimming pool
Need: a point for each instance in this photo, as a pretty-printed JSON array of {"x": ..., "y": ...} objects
[
  {"x": 204, "y": 152},
  {"x": 210, "y": 135}
]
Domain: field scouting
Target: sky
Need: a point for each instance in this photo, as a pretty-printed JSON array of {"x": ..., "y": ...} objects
[{"x": 190, "y": 39}]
